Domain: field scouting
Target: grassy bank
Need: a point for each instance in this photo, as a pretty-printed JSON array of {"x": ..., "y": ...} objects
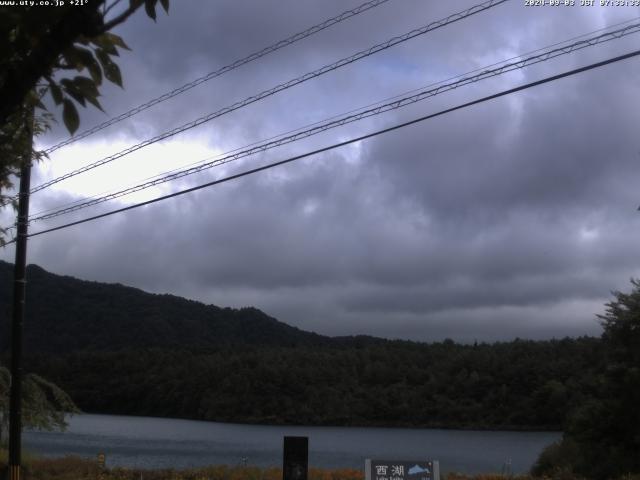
[{"x": 76, "y": 468}]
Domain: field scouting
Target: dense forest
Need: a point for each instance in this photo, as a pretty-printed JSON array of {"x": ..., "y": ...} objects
[
  {"x": 521, "y": 384},
  {"x": 117, "y": 349}
]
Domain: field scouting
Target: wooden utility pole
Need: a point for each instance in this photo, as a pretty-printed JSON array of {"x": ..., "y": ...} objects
[{"x": 19, "y": 286}]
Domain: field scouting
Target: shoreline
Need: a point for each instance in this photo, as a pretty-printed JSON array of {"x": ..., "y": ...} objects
[{"x": 381, "y": 425}]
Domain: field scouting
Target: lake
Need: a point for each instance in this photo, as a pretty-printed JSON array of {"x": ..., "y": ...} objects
[{"x": 144, "y": 442}]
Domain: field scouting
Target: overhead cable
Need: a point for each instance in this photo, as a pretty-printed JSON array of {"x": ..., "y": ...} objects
[
  {"x": 283, "y": 86},
  {"x": 379, "y": 102},
  {"x": 227, "y": 68},
  {"x": 347, "y": 142},
  {"x": 397, "y": 103}
]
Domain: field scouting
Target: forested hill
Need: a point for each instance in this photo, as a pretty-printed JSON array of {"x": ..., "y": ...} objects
[
  {"x": 120, "y": 350},
  {"x": 65, "y": 314}
]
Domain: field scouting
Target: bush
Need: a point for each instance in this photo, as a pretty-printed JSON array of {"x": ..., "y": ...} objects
[{"x": 557, "y": 461}]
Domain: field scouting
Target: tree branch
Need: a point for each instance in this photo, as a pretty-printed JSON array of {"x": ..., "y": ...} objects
[
  {"x": 120, "y": 18},
  {"x": 107, "y": 9}
]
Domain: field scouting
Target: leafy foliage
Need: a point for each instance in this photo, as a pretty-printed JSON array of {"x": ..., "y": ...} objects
[
  {"x": 39, "y": 46},
  {"x": 15, "y": 146},
  {"x": 41, "y": 43},
  {"x": 557, "y": 460},
  {"x": 605, "y": 428},
  {"x": 44, "y": 403}
]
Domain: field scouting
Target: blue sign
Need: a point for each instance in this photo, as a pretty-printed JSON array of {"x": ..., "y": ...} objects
[{"x": 402, "y": 469}]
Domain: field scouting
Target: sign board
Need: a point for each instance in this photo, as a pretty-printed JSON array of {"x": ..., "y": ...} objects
[
  {"x": 101, "y": 460},
  {"x": 401, "y": 469}
]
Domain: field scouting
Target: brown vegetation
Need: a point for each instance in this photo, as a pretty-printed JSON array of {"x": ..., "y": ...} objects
[{"x": 76, "y": 468}]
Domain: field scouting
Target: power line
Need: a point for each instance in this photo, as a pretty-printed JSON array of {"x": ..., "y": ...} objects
[
  {"x": 402, "y": 102},
  {"x": 379, "y": 102},
  {"x": 347, "y": 142},
  {"x": 283, "y": 86},
  {"x": 232, "y": 66},
  {"x": 394, "y": 97},
  {"x": 158, "y": 178}
]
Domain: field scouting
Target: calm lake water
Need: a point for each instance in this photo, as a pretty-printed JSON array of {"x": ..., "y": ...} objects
[{"x": 144, "y": 442}]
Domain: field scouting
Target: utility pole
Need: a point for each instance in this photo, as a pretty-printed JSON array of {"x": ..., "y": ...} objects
[{"x": 19, "y": 286}]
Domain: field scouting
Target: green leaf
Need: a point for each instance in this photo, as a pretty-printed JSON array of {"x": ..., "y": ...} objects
[
  {"x": 89, "y": 62},
  {"x": 80, "y": 58},
  {"x": 116, "y": 40},
  {"x": 84, "y": 55},
  {"x": 72, "y": 58},
  {"x": 56, "y": 93},
  {"x": 113, "y": 74},
  {"x": 111, "y": 70},
  {"x": 86, "y": 86},
  {"x": 165, "y": 5},
  {"x": 103, "y": 58},
  {"x": 70, "y": 116},
  {"x": 94, "y": 101},
  {"x": 105, "y": 43},
  {"x": 72, "y": 90},
  {"x": 95, "y": 71},
  {"x": 150, "y": 7},
  {"x": 88, "y": 89}
]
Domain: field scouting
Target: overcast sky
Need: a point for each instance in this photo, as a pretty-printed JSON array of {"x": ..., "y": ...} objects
[{"x": 513, "y": 218}]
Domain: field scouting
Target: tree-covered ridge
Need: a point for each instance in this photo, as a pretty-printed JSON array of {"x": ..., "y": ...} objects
[
  {"x": 117, "y": 349},
  {"x": 520, "y": 385},
  {"x": 65, "y": 314}
]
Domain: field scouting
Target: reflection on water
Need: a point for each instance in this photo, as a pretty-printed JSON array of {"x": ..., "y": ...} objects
[{"x": 168, "y": 443}]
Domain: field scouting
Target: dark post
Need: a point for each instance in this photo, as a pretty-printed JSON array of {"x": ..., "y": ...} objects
[
  {"x": 296, "y": 458},
  {"x": 19, "y": 284}
]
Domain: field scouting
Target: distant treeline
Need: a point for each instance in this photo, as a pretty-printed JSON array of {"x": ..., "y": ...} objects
[
  {"x": 117, "y": 349},
  {"x": 515, "y": 385}
]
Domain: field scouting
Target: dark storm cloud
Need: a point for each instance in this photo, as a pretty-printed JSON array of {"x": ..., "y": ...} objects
[
  {"x": 511, "y": 218},
  {"x": 193, "y": 41}
]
